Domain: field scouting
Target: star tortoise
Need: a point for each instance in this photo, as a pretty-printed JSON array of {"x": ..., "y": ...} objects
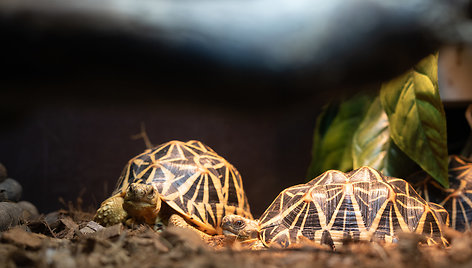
[
  {"x": 183, "y": 183},
  {"x": 335, "y": 206},
  {"x": 457, "y": 199}
]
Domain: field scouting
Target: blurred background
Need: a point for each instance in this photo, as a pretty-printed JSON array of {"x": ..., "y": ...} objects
[{"x": 248, "y": 78}]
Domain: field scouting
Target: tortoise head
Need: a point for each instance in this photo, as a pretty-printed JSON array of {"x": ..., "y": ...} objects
[
  {"x": 142, "y": 201},
  {"x": 242, "y": 228}
]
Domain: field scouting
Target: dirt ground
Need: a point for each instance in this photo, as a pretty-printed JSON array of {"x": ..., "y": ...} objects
[{"x": 67, "y": 238}]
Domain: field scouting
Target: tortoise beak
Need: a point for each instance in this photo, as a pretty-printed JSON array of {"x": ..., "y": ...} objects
[{"x": 229, "y": 233}]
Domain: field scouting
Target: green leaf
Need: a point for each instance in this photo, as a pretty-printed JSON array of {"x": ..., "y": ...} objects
[
  {"x": 429, "y": 67},
  {"x": 333, "y": 133},
  {"x": 372, "y": 145},
  {"x": 417, "y": 119}
]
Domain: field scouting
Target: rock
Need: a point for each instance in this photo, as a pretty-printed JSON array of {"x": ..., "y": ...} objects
[
  {"x": 10, "y": 215},
  {"x": 30, "y": 211},
  {"x": 10, "y": 190},
  {"x": 52, "y": 219},
  {"x": 3, "y": 172}
]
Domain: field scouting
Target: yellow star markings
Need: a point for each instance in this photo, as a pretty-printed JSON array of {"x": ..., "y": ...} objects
[
  {"x": 456, "y": 199},
  {"x": 193, "y": 179},
  {"x": 360, "y": 205}
]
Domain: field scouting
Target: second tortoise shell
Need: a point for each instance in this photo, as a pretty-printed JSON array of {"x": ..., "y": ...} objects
[
  {"x": 457, "y": 199},
  {"x": 360, "y": 205}
]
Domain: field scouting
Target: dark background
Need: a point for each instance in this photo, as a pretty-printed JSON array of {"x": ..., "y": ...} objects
[{"x": 76, "y": 146}]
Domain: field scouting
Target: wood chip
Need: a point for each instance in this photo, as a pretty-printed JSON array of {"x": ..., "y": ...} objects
[
  {"x": 21, "y": 237},
  {"x": 69, "y": 223},
  {"x": 107, "y": 232},
  {"x": 91, "y": 227},
  {"x": 70, "y": 229}
]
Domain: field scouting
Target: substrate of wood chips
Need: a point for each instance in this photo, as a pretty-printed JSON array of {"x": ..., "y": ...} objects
[{"x": 70, "y": 239}]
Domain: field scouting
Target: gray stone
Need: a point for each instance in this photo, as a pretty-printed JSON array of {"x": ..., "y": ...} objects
[
  {"x": 10, "y": 190},
  {"x": 10, "y": 215},
  {"x": 29, "y": 210}
]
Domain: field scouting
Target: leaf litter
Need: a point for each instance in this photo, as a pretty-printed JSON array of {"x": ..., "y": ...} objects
[{"x": 68, "y": 238}]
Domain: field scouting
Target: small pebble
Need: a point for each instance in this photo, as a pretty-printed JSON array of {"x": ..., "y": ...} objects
[
  {"x": 30, "y": 211},
  {"x": 10, "y": 190},
  {"x": 10, "y": 215},
  {"x": 52, "y": 218}
]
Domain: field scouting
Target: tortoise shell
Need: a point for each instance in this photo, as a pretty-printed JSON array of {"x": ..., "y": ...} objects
[
  {"x": 360, "y": 205},
  {"x": 193, "y": 180},
  {"x": 457, "y": 200}
]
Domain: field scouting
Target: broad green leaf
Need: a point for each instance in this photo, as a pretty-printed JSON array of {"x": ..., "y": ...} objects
[
  {"x": 417, "y": 119},
  {"x": 372, "y": 145},
  {"x": 429, "y": 67},
  {"x": 333, "y": 133}
]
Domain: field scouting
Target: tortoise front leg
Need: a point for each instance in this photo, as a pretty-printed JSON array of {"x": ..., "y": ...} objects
[
  {"x": 177, "y": 220},
  {"x": 111, "y": 211}
]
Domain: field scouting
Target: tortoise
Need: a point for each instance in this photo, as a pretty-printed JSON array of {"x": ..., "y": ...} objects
[
  {"x": 334, "y": 207},
  {"x": 457, "y": 199},
  {"x": 181, "y": 183}
]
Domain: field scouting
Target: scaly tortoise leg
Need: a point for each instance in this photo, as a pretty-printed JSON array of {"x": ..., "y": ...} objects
[
  {"x": 111, "y": 211},
  {"x": 177, "y": 220}
]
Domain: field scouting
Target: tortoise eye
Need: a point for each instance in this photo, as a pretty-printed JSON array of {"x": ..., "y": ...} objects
[{"x": 239, "y": 223}]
